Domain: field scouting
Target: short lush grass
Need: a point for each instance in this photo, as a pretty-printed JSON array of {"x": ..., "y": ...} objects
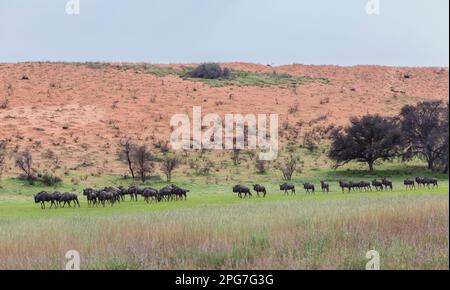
[{"x": 201, "y": 195}]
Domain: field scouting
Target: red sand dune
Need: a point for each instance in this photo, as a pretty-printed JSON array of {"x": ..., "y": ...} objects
[{"x": 81, "y": 113}]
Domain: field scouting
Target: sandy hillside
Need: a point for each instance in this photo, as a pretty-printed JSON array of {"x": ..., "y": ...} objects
[{"x": 80, "y": 112}]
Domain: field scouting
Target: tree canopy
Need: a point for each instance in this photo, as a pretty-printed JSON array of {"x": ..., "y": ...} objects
[
  {"x": 367, "y": 140},
  {"x": 425, "y": 133}
]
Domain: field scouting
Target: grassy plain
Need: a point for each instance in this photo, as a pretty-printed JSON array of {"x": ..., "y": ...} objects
[{"x": 214, "y": 229}]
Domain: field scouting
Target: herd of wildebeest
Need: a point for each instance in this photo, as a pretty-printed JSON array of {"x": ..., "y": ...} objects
[{"x": 113, "y": 195}]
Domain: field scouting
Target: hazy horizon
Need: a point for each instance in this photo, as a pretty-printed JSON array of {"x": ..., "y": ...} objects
[
  {"x": 211, "y": 61},
  {"x": 405, "y": 33}
]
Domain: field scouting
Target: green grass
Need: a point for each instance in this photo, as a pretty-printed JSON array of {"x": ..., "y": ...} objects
[
  {"x": 410, "y": 230},
  {"x": 214, "y": 229},
  {"x": 138, "y": 67},
  {"x": 248, "y": 78},
  {"x": 237, "y": 77},
  {"x": 201, "y": 196}
]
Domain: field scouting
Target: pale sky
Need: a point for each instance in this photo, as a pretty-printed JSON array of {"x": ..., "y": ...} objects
[{"x": 405, "y": 33}]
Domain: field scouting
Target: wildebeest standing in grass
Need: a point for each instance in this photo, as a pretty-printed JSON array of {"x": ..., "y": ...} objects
[
  {"x": 106, "y": 196},
  {"x": 325, "y": 186},
  {"x": 115, "y": 192},
  {"x": 431, "y": 181},
  {"x": 43, "y": 197},
  {"x": 133, "y": 192},
  {"x": 345, "y": 185},
  {"x": 364, "y": 185},
  {"x": 259, "y": 188},
  {"x": 56, "y": 199},
  {"x": 122, "y": 192},
  {"x": 387, "y": 183},
  {"x": 150, "y": 194},
  {"x": 420, "y": 182},
  {"x": 165, "y": 193},
  {"x": 91, "y": 196},
  {"x": 240, "y": 189},
  {"x": 67, "y": 198},
  {"x": 354, "y": 185},
  {"x": 286, "y": 187},
  {"x": 309, "y": 187},
  {"x": 377, "y": 184},
  {"x": 179, "y": 193},
  {"x": 409, "y": 184}
]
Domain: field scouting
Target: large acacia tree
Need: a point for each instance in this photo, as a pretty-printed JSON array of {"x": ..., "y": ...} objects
[
  {"x": 425, "y": 133},
  {"x": 367, "y": 140}
]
